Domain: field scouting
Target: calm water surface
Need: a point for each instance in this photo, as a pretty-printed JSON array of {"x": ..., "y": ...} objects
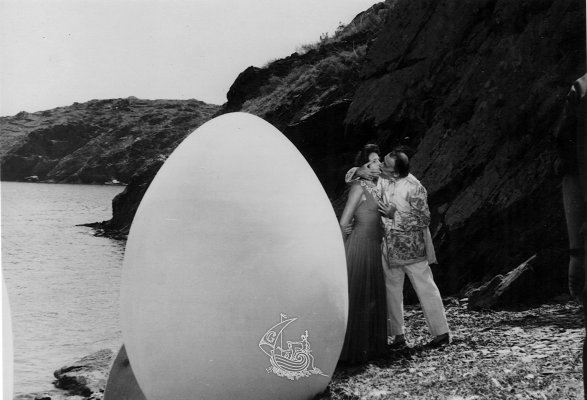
[{"x": 63, "y": 282}]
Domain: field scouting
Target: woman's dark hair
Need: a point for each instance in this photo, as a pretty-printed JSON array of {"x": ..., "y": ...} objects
[
  {"x": 402, "y": 163},
  {"x": 362, "y": 156}
]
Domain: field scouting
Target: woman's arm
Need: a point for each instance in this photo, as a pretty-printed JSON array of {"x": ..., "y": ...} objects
[{"x": 355, "y": 194}]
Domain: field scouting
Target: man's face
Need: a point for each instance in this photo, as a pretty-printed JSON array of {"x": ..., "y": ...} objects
[{"x": 388, "y": 166}]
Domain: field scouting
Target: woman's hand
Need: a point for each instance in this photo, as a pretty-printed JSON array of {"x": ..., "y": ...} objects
[
  {"x": 388, "y": 210},
  {"x": 346, "y": 229}
]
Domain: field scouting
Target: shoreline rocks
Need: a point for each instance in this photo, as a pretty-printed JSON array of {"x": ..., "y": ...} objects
[
  {"x": 86, "y": 376},
  {"x": 84, "y": 379}
]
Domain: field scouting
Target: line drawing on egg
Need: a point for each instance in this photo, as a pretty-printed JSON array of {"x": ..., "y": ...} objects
[{"x": 296, "y": 361}]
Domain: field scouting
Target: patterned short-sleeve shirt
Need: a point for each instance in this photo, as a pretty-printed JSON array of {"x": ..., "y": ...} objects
[{"x": 403, "y": 241}]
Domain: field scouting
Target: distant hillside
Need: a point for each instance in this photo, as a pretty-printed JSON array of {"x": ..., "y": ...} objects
[{"x": 96, "y": 141}]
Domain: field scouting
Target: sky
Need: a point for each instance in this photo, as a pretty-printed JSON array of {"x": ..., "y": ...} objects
[{"x": 56, "y": 52}]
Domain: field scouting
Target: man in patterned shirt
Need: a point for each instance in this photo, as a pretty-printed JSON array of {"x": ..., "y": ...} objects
[{"x": 407, "y": 247}]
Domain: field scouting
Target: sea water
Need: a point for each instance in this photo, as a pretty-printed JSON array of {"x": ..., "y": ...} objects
[{"x": 62, "y": 281}]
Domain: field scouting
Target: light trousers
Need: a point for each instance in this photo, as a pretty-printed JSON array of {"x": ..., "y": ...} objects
[{"x": 421, "y": 278}]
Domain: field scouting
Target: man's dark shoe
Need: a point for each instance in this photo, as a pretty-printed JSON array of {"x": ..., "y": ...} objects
[
  {"x": 438, "y": 341},
  {"x": 398, "y": 343}
]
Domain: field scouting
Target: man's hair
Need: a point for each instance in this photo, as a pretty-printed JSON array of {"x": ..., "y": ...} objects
[
  {"x": 362, "y": 156},
  {"x": 402, "y": 162},
  {"x": 402, "y": 148}
]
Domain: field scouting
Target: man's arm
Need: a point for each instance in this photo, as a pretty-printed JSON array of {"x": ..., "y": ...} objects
[
  {"x": 355, "y": 173},
  {"x": 350, "y": 175}
]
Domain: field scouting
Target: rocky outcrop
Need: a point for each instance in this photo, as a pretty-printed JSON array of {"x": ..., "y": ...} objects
[
  {"x": 84, "y": 379},
  {"x": 307, "y": 95},
  {"x": 287, "y": 89},
  {"x": 125, "y": 205},
  {"x": 87, "y": 376},
  {"x": 98, "y": 141}
]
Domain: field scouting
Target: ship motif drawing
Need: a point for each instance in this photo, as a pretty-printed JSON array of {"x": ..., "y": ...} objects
[{"x": 293, "y": 362}]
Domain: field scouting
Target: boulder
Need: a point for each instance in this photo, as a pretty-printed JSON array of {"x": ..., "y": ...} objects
[
  {"x": 533, "y": 281},
  {"x": 87, "y": 376}
]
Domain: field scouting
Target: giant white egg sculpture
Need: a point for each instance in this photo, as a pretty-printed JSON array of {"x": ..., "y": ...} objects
[
  {"x": 121, "y": 383},
  {"x": 234, "y": 283}
]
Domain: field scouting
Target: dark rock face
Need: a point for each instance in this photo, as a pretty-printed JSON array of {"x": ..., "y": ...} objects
[
  {"x": 307, "y": 96},
  {"x": 125, "y": 204},
  {"x": 257, "y": 83},
  {"x": 476, "y": 89}
]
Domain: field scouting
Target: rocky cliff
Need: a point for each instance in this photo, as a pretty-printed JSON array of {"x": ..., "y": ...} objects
[
  {"x": 474, "y": 87},
  {"x": 307, "y": 95}
]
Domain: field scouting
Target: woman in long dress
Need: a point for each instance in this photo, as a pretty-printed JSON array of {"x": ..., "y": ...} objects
[{"x": 366, "y": 335}]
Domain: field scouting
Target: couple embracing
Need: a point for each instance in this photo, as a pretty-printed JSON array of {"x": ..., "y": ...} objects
[{"x": 385, "y": 225}]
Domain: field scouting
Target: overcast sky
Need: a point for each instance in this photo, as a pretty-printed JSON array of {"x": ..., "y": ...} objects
[{"x": 56, "y": 52}]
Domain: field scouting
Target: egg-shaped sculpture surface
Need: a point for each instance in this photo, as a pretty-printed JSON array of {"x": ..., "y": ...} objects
[
  {"x": 234, "y": 282},
  {"x": 121, "y": 383}
]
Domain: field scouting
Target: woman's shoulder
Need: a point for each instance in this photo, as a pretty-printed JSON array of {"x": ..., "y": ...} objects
[
  {"x": 360, "y": 185},
  {"x": 356, "y": 187},
  {"x": 356, "y": 190}
]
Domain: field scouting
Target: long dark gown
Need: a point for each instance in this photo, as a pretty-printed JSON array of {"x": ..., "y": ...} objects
[{"x": 366, "y": 335}]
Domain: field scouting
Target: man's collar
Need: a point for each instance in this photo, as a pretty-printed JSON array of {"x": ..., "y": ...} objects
[{"x": 389, "y": 177}]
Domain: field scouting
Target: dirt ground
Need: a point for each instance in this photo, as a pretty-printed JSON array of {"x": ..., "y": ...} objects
[{"x": 528, "y": 353}]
